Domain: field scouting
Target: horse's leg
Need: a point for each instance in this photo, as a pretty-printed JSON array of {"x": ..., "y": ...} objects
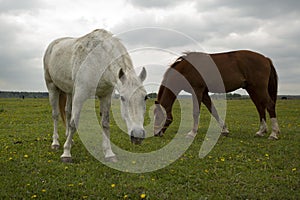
[
  {"x": 54, "y": 99},
  {"x": 212, "y": 109},
  {"x": 105, "y": 104},
  {"x": 68, "y": 110},
  {"x": 80, "y": 95},
  {"x": 259, "y": 99},
  {"x": 196, "y": 113},
  {"x": 199, "y": 92},
  {"x": 272, "y": 112}
]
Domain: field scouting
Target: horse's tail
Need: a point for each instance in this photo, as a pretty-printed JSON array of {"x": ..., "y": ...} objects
[
  {"x": 62, "y": 105},
  {"x": 273, "y": 82}
]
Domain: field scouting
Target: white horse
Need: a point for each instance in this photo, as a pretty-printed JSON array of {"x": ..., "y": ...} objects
[{"x": 93, "y": 65}]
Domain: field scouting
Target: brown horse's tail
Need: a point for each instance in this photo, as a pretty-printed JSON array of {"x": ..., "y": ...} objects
[
  {"x": 273, "y": 82},
  {"x": 62, "y": 105}
]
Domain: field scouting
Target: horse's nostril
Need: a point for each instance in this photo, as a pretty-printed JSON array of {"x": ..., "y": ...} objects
[
  {"x": 138, "y": 133},
  {"x": 143, "y": 134}
]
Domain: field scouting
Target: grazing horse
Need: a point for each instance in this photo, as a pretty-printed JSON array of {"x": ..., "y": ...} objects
[
  {"x": 238, "y": 69},
  {"x": 76, "y": 69}
]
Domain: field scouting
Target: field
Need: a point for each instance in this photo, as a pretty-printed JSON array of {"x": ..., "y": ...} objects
[{"x": 240, "y": 166}]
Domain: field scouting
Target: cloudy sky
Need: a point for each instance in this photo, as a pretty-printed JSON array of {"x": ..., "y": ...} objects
[{"x": 155, "y": 32}]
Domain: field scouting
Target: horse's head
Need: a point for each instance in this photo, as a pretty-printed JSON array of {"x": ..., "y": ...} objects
[{"x": 133, "y": 98}]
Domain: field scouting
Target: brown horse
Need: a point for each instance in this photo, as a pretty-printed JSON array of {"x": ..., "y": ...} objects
[{"x": 200, "y": 73}]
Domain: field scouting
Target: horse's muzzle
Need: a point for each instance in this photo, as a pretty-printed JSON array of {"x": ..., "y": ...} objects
[{"x": 137, "y": 136}]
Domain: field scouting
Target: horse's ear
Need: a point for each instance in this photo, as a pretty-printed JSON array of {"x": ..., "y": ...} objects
[
  {"x": 122, "y": 76},
  {"x": 143, "y": 74}
]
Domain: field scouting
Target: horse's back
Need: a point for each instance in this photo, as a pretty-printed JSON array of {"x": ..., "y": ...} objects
[
  {"x": 237, "y": 68},
  {"x": 86, "y": 57}
]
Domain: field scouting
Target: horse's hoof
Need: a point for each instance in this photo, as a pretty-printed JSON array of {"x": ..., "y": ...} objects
[
  {"x": 272, "y": 137},
  {"x": 159, "y": 134},
  {"x": 112, "y": 159},
  {"x": 259, "y": 134},
  {"x": 66, "y": 159},
  {"x": 188, "y": 136},
  {"x": 225, "y": 134},
  {"x": 55, "y": 147}
]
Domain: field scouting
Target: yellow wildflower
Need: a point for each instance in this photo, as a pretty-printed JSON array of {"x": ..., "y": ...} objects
[
  {"x": 143, "y": 196},
  {"x": 294, "y": 169},
  {"x": 113, "y": 185},
  {"x": 25, "y": 156}
]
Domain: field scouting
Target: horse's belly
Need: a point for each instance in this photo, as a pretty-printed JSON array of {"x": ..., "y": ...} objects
[
  {"x": 64, "y": 85},
  {"x": 234, "y": 83},
  {"x": 62, "y": 77}
]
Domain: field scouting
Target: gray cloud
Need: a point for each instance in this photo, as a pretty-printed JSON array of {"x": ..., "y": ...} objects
[
  {"x": 154, "y": 3},
  {"x": 256, "y": 8},
  {"x": 17, "y": 5},
  {"x": 269, "y": 27}
]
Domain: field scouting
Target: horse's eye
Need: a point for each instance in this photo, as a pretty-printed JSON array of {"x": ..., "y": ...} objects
[
  {"x": 146, "y": 97},
  {"x": 122, "y": 98}
]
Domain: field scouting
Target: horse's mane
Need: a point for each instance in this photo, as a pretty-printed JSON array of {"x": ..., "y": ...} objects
[
  {"x": 177, "y": 61},
  {"x": 184, "y": 56}
]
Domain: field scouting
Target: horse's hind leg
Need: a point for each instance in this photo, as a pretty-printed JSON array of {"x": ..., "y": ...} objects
[
  {"x": 260, "y": 100},
  {"x": 212, "y": 109},
  {"x": 54, "y": 99},
  {"x": 275, "y": 127}
]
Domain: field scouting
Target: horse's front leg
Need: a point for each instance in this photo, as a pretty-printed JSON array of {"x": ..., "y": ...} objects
[
  {"x": 68, "y": 110},
  {"x": 212, "y": 109},
  {"x": 196, "y": 113},
  {"x": 105, "y": 104},
  {"x": 80, "y": 96}
]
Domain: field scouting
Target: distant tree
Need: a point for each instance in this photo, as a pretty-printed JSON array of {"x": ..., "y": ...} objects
[
  {"x": 152, "y": 95},
  {"x": 233, "y": 95}
]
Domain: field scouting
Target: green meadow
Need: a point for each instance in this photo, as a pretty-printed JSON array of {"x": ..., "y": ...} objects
[{"x": 239, "y": 166}]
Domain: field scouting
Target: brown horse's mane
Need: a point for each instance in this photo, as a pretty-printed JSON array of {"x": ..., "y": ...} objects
[{"x": 177, "y": 61}]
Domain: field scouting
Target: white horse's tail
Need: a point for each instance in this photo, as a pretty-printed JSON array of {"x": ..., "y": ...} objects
[{"x": 62, "y": 105}]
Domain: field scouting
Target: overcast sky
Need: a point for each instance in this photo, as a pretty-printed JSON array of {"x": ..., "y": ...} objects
[{"x": 155, "y": 32}]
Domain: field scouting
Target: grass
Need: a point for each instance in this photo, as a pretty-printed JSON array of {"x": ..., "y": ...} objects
[{"x": 239, "y": 166}]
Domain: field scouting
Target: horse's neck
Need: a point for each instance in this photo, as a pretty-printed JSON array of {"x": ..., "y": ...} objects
[
  {"x": 113, "y": 73},
  {"x": 166, "y": 99}
]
